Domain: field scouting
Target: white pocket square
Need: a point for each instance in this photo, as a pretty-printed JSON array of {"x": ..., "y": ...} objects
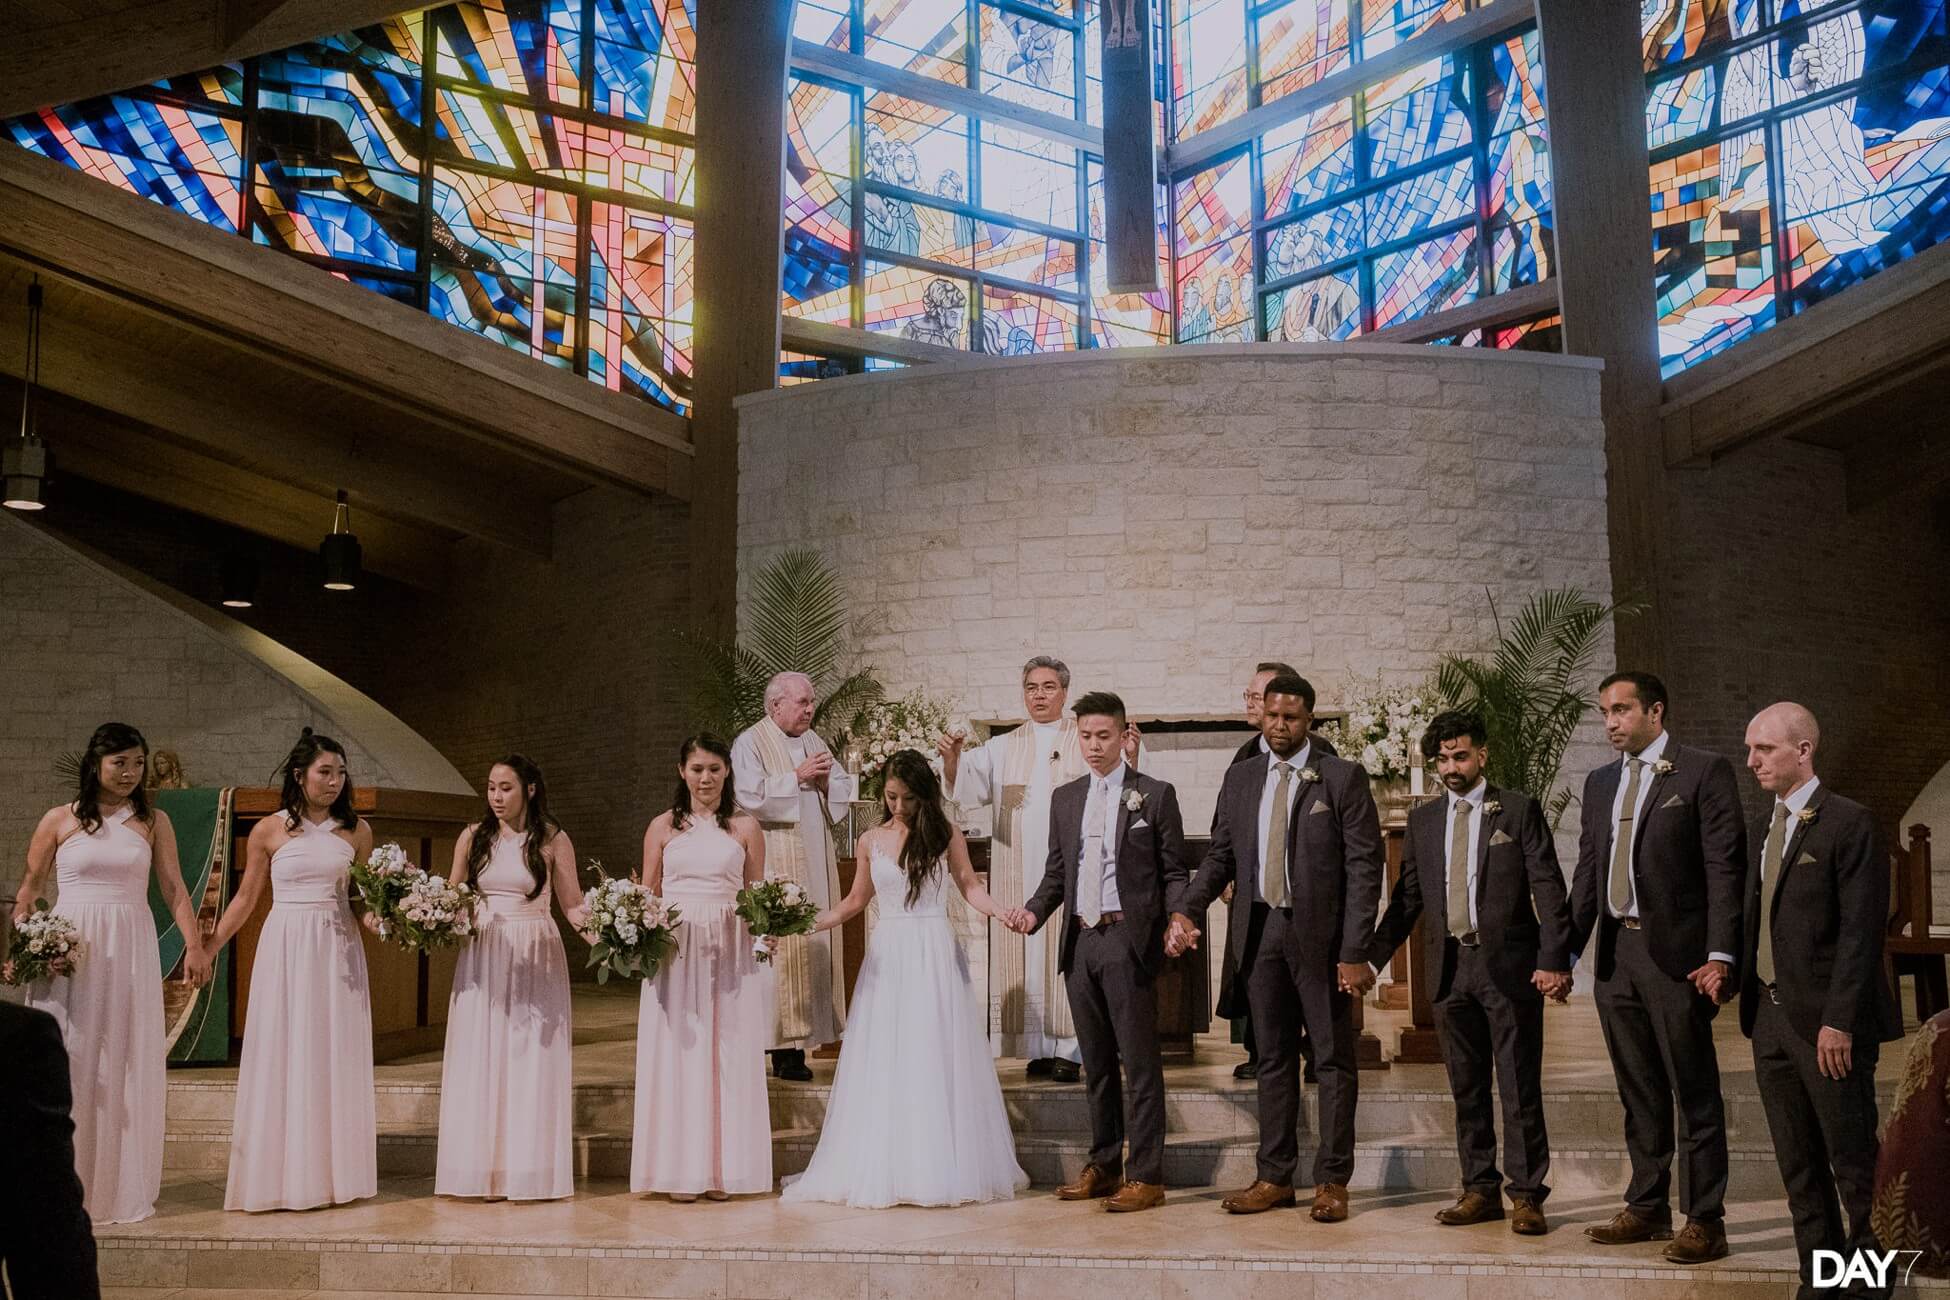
[
  {"x": 1139, "y": 824},
  {"x": 1674, "y": 802},
  {"x": 1805, "y": 860},
  {"x": 1320, "y": 806},
  {"x": 1500, "y": 838}
]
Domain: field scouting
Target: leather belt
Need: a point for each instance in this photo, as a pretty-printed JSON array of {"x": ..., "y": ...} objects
[
  {"x": 1773, "y": 992},
  {"x": 1629, "y": 922},
  {"x": 1470, "y": 940},
  {"x": 1105, "y": 921}
]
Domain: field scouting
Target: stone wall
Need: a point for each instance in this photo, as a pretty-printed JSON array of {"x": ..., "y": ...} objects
[{"x": 1163, "y": 521}]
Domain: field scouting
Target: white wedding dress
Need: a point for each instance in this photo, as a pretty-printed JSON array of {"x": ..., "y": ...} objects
[{"x": 916, "y": 1114}]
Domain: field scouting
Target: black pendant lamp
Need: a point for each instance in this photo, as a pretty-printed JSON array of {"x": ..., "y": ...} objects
[
  {"x": 24, "y": 459},
  {"x": 339, "y": 552}
]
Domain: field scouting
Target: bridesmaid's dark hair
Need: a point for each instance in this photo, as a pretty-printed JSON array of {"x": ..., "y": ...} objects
[
  {"x": 109, "y": 738},
  {"x": 541, "y": 825},
  {"x": 930, "y": 834},
  {"x": 680, "y": 803},
  {"x": 303, "y": 754}
]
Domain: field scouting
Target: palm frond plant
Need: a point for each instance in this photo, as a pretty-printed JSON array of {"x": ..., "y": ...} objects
[
  {"x": 795, "y": 622},
  {"x": 1532, "y": 689}
]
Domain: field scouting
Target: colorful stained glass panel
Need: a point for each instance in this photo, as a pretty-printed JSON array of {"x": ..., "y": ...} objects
[
  {"x": 505, "y": 262},
  {"x": 818, "y": 190},
  {"x": 183, "y": 158},
  {"x": 1388, "y": 23},
  {"x": 645, "y": 62},
  {"x": 1308, "y": 159},
  {"x": 526, "y": 47},
  {"x": 1428, "y": 278},
  {"x": 1029, "y": 176},
  {"x": 1016, "y": 324},
  {"x": 918, "y": 305},
  {"x": 1208, "y": 64},
  {"x": 1326, "y": 309},
  {"x": 1417, "y": 115},
  {"x": 1299, "y": 43},
  {"x": 1712, "y": 249},
  {"x": 1028, "y": 61},
  {"x": 929, "y": 37}
]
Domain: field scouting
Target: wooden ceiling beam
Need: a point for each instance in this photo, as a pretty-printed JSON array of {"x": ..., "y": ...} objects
[
  {"x": 101, "y": 51},
  {"x": 263, "y": 302}
]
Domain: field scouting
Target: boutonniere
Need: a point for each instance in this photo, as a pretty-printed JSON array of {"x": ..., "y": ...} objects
[
  {"x": 1308, "y": 776},
  {"x": 1807, "y": 816},
  {"x": 1663, "y": 767},
  {"x": 1133, "y": 800},
  {"x": 1491, "y": 807}
]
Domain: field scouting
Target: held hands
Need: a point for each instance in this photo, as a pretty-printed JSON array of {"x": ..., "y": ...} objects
[
  {"x": 1181, "y": 935},
  {"x": 1834, "y": 1053},
  {"x": 1713, "y": 980},
  {"x": 1018, "y": 919},
  {"x": 1553, "y": 984},
  {"x": 1356, "y": 977},
  {"x": 197, "y": 964},
  {"x": 370, "y": 921}
]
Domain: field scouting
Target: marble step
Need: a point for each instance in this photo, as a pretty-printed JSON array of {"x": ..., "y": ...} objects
[
  {"x": 1577, "y": 1117},
  {"x": 1411, "y": 1160}
]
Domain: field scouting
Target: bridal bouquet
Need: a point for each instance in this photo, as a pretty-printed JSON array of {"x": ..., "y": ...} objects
[
  {"x": 775, "y": 909},
  {"x": 415, "y": 909},
  {"x": 631, "y": 931},
  {"x": 43, "y": 945}
]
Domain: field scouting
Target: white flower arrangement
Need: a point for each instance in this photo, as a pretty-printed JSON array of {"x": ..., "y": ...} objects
[
  {"x": 916, "y": 722},
  {"x": 44, "y": 944},
  {"x": 773, "y": 909},
  {"x": 413, "y": 907},
  {"x": 631, "y": 931},
  {"x": 1663, "y": 767},
  {"x": 1383, "y": 728}
]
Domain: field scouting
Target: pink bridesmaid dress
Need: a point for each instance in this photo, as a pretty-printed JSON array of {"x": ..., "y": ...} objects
[
  {"x": 703, "y": 1121},
  {"x": 507, "y": 1085},
  {"x": 111, "y": 1015},
  {"x": 305, "y": 1132}
]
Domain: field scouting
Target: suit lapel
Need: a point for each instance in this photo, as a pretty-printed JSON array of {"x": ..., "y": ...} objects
[
  {"x": 1124, "y": 810},
  {"x": 1797, "y": 835},
  {"x": 1671, "y": 754},
  {"x": 1484, "y": 829}
]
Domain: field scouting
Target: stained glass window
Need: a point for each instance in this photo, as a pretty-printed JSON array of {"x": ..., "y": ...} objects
[
  {"x": 533, "y": 185},
  {"x": 1795, "y": 150}
]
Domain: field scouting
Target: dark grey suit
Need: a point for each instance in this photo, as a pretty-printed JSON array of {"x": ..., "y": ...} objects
[
  {"x": 46, "y": 1241},
  {"x": 1288, "y": 954},
  {"x": 1830, "y": 906},
  {"x": 1110, "y": 971},
  {"x": 1489, "y": 1015}
]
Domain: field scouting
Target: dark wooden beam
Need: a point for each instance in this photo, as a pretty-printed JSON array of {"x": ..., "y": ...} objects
[
  {"x": 1837, "y": 357},
  {"x": 95, "y": 53},
  {"x": 1485, "y": 313},
  {"x": 74, "y": 227},
  {"x": 845, "y": 341},
  {"x": 1604, "y": 276},
  {"x": 742, "y": 56}
]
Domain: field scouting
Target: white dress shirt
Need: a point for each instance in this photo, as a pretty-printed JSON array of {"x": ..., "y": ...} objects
[
  {"x": 1113, "y": 796},
  {"x": 1273, "y": 761},
  {"x": 1468, "y": 805},
  {"x": 1795, "y": 803}
]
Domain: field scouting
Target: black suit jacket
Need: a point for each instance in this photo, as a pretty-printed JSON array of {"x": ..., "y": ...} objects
[
  {"x": 1523, "y": 911},
  {"x": 1689, "y": 862},
  {"x": 1334, "y": 841},
  {"x": 46, "y": 1239},
  {"x": 1831, "y": 906},
  {"x": 1150, "y": 863}
]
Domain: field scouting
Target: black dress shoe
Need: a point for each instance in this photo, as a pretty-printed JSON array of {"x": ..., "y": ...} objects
[
  {"x": 791, "y": 1066},
  {"x": 1248, "y": 1069},
  {"x": 1061, "y": 1071},
  {"x": 1039, "y": 1068}
]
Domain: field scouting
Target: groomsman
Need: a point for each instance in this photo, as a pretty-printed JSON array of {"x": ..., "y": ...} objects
[
  {"x": 1299, "y": 839},
  {"x": 1812, "y": 994},
  {"x": 784, "y": 775},
  {"x": 1661, "y": 858},
  {"x": 1116, "y": 858},
  {"x": 1017, "y": 772},
  {"x": 47, "y": 1245},
  {"x": 1497, "y": 940},
  {"x": 1232, "y": 993}
]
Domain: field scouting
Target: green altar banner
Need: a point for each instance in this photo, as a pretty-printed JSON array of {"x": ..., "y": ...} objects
[{"x": 197, "y": 1022}]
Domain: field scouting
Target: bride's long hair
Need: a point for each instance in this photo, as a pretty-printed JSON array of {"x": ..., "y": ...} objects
[{"x": 930, "y": 833}]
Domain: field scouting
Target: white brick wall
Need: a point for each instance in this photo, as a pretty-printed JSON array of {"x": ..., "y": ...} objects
[
  {"x": 1163, "y": 520},
  {"x": 82, "y": 643}
]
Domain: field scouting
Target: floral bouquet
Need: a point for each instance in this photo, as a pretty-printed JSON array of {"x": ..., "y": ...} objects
[
  {"x": 775, "y": 908},
  {"x": 911, "y": 722},
  {"x": 44, "y": 944},
  {"x": 415, "y": 909},
  {"x": 631, "y": 931},
  {"x": 1383, "y": 728}
]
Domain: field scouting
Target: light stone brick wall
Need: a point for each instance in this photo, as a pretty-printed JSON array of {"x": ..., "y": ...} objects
[
  {"x": 83, "y": 641},
  {"x": 1161, "y": 521}
]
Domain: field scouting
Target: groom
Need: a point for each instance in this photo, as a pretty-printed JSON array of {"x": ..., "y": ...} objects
[{"x": 1116, "y": 856}]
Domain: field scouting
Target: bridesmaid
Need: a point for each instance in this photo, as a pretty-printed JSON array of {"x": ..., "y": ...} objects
[
  {"x": 103, "y": 848},
  {"x": 305, "y": 1132},
  {"x": 703, "y": 1121},
  {"x": 507, "y": 1121}
]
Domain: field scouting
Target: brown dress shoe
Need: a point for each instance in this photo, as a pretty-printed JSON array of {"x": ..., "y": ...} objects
[
  {"x": 1627, "y": 1228},
  {"x": 1527, "y": 1217},
  {"x": 1090, "y": 1184},
  {"x": 1699, "y": 1242},
  {"x": 1330, "y": 1203},
  {"x": 1258, "y": 1198},
  {"x": 1132, "y": 1197},
  {"x": 1471, "y": 1207}
]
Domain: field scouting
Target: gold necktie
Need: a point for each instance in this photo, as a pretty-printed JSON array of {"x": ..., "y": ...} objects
[
  {"x": 1272, "y": 876},
  {"x": 1621, "y": 849},
  {"x": 1770, "y": 880},
  {"x": 1459, "y": 871}
]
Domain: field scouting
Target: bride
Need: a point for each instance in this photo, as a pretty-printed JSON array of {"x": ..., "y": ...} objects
[{"x": 916, "y": 1114}]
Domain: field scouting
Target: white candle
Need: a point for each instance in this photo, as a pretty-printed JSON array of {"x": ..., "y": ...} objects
[{"x": 1415, "y": 780}]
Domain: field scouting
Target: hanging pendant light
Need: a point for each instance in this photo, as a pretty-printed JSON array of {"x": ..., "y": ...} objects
[
  {"x": 24, "y": 459},
  {"x": 339, "y": 552},
  {"x": 237, "y": 580}
]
